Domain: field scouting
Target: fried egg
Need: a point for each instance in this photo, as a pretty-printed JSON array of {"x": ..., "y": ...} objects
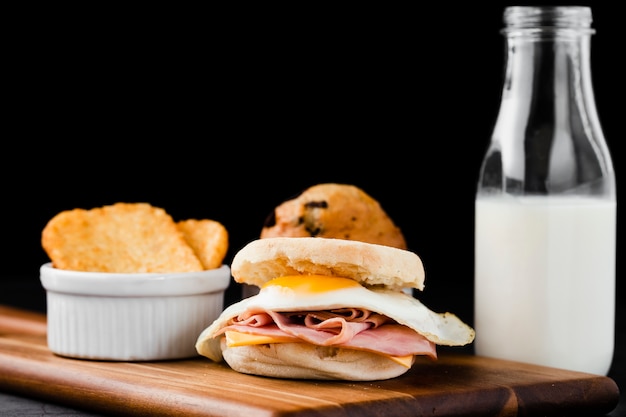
[{"x": 317, "y": 292}]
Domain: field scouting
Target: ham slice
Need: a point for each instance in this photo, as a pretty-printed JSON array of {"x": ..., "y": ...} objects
[{"x": 345, "y": 328}]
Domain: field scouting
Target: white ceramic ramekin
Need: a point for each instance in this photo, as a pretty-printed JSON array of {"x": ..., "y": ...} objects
[{"x": 130, "y": 317}]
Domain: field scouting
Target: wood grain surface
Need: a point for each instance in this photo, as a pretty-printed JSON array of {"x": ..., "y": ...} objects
[{"x": 454, "y": 385}]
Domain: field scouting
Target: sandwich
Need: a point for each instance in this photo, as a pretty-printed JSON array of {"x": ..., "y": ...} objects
[{"x": 328, "y": 309}]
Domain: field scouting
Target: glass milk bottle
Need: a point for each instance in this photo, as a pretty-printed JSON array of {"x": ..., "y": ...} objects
[{"x": 545, "y": 228}]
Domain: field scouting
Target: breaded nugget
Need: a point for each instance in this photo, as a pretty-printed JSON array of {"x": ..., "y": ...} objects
[
  {"x": 340, "y": 211},
  {"x": 123, "y": 237},
  {"x": 207, "y": 238}
]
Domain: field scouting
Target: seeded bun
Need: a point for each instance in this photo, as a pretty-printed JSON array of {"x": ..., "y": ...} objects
[
  {"x": 369, "y": 264},
  {"x": 306, "y": 361},
  {"x": 330, "y": 210}
]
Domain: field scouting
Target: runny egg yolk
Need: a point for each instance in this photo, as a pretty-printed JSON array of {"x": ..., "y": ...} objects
[{"x": 312, "y": 283}]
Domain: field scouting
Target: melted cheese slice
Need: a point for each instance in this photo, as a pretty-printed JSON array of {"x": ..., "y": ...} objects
[{"x": 234, "y": 339}]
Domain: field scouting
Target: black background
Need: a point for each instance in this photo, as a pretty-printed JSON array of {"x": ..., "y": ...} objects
[{"x": 225, "y": 113}]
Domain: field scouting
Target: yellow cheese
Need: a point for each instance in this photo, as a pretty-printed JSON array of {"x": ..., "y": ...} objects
[
  {"x": 406, "y": 361},
  {"x": 234, "y": 339}
]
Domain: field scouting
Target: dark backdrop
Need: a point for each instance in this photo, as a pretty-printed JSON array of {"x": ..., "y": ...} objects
[{"x": 225, "y": 114}]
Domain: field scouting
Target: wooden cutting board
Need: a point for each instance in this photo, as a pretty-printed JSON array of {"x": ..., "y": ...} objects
[{"x": 454, "y": 385}]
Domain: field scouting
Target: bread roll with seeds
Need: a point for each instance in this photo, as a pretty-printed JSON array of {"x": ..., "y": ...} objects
[{"x": 332, "y": 210}]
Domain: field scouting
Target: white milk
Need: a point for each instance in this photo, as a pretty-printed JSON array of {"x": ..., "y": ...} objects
[{"x": 545, "y": 281}]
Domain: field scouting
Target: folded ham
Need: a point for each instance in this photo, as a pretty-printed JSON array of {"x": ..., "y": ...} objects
[{"x": 352, "y": 328}]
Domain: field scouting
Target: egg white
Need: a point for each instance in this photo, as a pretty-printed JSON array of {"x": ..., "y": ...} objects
[{"x": 441, "y": 329}]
